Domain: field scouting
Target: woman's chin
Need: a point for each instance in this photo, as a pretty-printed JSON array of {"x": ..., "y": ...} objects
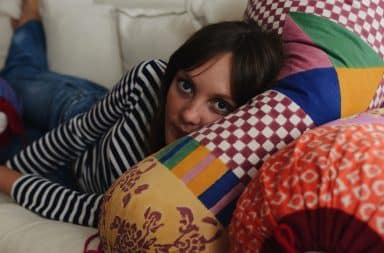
[{"x": 169, "y": 139}]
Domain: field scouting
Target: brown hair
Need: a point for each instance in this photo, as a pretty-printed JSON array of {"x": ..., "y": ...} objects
[{"x": 257, "y": 57}]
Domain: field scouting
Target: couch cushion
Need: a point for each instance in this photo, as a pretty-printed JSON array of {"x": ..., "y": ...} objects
[
  {"x": 82, "y": 40},
  {"x": 10, "y": 8},
  {"x": 212, "y": 11},
  {"x": 145, "y": 4},
  {"x": 157, "y": 33},
  {"x": 161, "y": 26}
]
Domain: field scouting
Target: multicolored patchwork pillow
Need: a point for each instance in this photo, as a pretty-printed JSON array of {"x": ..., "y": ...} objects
[
  {"x": 335, "y": 51},
  {"x": 322, "y": 193},
  {"x": 183, "y": 197}
]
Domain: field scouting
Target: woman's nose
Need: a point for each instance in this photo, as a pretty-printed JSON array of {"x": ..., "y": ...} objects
[{"x": 192, "y": 113}]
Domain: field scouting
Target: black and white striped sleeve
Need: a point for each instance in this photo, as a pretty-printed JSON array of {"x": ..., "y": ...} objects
[
  {"x": 69, "y": 141},
  {"x": 56, "y": 202}
]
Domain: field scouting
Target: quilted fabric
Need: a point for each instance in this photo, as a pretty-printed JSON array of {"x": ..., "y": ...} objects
[
  {"x": 218, "y": 161},
  {"x": 211, "y": 167},
  {"x": 364, "y": 18},
  {"x": 323, "y": 192},
  {"x": 185, "y": 194},
  {"x": 335, "y": 52},
  {"x": 171, "y": 219}
]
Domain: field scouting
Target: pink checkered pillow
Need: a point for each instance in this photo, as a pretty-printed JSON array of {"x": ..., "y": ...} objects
[
  {"x": 335, "y": 52},
  {"x": 364, "y": 18},
  {"x": 246, "y": 138}
]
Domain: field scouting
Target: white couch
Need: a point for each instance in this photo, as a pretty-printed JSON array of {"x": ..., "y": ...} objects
[{"x": 98, "y": 40}]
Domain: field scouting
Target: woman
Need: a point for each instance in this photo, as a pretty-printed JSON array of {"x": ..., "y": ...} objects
[{"x": 218, "y": 69}]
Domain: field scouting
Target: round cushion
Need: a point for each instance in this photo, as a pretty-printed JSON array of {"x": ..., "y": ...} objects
[{"x": 322, "y": 193}]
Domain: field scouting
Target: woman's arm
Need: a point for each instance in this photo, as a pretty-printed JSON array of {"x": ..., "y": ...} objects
[
  {"x": 56, "y": 202},
  {"x": 70, "y": 140},
  {"x": 7, "y": 178}
]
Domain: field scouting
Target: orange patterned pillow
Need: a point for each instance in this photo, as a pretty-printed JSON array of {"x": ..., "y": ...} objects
[{"x": 322, "y": 193}]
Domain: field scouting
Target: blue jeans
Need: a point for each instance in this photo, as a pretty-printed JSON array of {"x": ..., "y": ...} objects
[{"x": 48, "y": 98}]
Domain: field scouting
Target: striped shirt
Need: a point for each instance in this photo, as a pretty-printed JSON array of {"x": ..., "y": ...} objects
[{"x": 99, "y": 146}]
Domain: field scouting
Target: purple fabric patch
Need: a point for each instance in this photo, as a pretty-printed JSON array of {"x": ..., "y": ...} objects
[
  {"x": 373, "y": 116},
  {"x": 302, "y": 52}
]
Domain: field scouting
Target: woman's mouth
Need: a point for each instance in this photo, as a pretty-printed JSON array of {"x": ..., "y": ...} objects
[{"x": 179, "y": 132}]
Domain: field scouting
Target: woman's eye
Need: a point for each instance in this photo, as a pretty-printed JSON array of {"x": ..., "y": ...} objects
[
  {"x": 185, "y": 86},
  {"x": 222, "y": 107}
]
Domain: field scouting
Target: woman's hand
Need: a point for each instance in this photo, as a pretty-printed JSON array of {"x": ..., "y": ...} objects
[{"x": 7, "y": 178}]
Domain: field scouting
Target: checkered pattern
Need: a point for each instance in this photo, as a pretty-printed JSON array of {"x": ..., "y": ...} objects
[
  {"x": 246, "y": 138},
  {"x": 378, "y": 99},
  {"x": 364, "y": 18}
]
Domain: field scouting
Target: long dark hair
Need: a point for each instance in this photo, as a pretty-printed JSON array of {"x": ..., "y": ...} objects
[{"x": 257, "y": 57}]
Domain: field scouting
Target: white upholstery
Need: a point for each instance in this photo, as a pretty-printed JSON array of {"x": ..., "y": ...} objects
[
  {"x": 82, "y": 40},
  {"x": 154, "y": 32},
  {"x": 145, "y": 4},
  {"x": 206, "y": 12},
  {"x": 22, "y": 231},
  {"x": 10, "y": 8},
  {"x": 91, "y": 39},
  {"x": 165, "y": 30},
  {"x": 5, "y": 37}
]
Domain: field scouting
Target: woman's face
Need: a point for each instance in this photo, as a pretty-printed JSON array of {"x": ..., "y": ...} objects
[{"x": 198, "y": 97}]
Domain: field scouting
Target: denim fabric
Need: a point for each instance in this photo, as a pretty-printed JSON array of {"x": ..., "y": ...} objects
[{"x": 48, "y": 98}]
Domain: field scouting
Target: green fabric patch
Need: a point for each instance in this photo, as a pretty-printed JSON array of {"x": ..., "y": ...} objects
[
  {"x": 174, "y": 153},
  {"x": 344, "y": 48}
]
